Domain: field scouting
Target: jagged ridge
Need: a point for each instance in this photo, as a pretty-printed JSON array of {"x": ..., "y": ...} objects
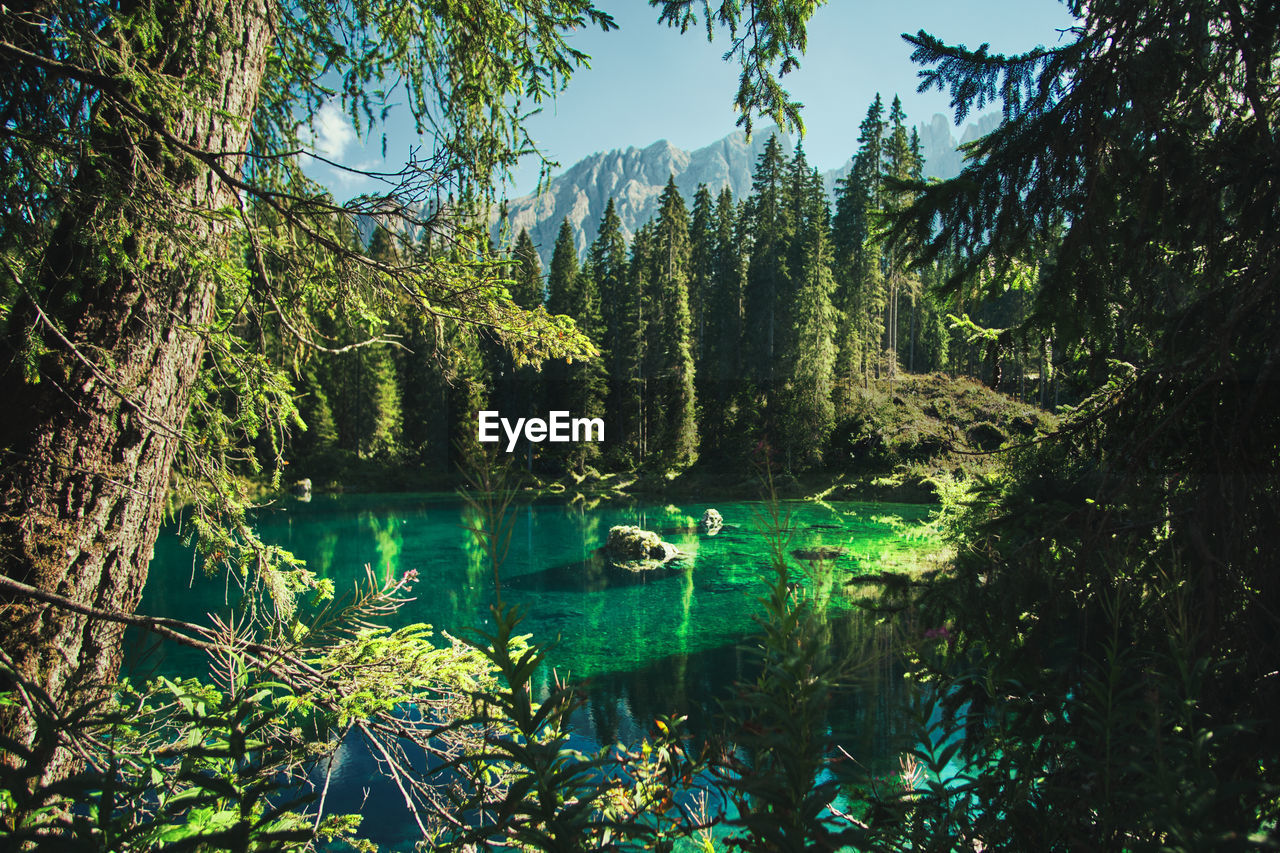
[{"x": 634, "y": 178}]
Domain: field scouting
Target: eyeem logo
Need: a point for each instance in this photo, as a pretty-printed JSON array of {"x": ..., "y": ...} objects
[{"x": 558, "y": 427}]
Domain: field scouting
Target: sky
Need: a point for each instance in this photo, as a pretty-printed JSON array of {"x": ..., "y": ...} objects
[{"x": 648, "y": 82}]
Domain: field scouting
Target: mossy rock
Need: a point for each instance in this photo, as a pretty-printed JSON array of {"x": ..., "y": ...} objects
[
  {"x": 636, "y": 549},
  {"x": 821, "y": 553}
]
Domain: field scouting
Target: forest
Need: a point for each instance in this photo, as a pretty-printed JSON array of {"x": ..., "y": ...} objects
[
  {"x": 189, "y": 323},
  {"x": 840, "y": 313}
]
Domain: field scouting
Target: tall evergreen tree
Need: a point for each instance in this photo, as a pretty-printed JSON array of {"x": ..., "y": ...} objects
[
  {"x": 898, "y": 167},
  {"x": 527, "y": 286},
  {"x": 608, "y": 260},
  {"x": 672, "y": 409},
  {"x": 632, "y": 345},
  {"x": 524, "y": 395},
  {"x": 768, "y": 276},
  {"x": 808, "y": 414},
  {"x": 577, "y": 387},
  {"x": 563, "y": 283},
  {"x": 719, "y": 377},
  {"x": 702, "y": 241}
]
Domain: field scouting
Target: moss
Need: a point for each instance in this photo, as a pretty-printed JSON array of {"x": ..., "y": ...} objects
[
  {"x": 987, "y": 436},
  {"x": 637, "y": 549}
]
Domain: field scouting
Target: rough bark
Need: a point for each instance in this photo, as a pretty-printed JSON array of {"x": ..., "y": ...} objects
[{"x": 90, "y": 446}]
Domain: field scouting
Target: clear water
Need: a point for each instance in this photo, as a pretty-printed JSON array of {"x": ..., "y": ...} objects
[{"x": 636, "y": 646}]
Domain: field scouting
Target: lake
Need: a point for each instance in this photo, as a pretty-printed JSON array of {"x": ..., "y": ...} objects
[{"x": 635, "y": 646}]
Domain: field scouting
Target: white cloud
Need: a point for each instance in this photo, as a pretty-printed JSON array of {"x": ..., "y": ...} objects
[{"x": 332, "y": 133}]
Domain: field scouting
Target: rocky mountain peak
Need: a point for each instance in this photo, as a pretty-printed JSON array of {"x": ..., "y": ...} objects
[{"x": 635, "y": 178}]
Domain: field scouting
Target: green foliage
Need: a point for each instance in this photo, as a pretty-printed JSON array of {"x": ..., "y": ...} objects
[
  {"x": 1110, "y": 597},
  {"x": 777, "y": 775},
  {"x": 762, "y": 35},
  {"x": 672, "y": 426},
  {"x": 232, "y": 764},
  {"x": 551, "y": 797}
]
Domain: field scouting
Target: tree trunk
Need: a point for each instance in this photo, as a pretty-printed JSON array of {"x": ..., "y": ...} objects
[{"x": 90, "y": 446}]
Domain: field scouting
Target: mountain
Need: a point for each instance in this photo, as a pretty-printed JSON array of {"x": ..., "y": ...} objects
[
  {"x": 941, "y": 148},
  {"x": 635, "y": 178}
]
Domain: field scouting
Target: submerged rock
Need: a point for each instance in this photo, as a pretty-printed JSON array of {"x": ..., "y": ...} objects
[
  {"x": 711, "y": 522},
  {"x": 637, "y": 549},
  {"x": 822, "y": 552}
]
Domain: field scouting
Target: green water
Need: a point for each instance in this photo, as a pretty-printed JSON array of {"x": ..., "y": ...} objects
[{"x": 637, "y": 646}]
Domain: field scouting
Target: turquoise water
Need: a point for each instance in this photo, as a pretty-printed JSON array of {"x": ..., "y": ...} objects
[{"x": 635, "y": 646}]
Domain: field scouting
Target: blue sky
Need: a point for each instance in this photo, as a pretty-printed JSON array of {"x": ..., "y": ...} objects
[{"x": 648, "y": 82}]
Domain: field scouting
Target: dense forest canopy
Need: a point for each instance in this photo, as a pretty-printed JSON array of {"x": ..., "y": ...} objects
[{"x": 171, "y": 281}]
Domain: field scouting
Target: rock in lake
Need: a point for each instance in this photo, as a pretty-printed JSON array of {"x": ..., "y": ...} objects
[
  {"x": 821, "y": 552},
  {"x": 637, "y": 549},
  {"x": 711, "y": 522}
]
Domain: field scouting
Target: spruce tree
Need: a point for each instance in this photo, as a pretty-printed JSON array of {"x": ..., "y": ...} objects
[
  {"x": 808, "y": 411},
  {"x": 563, "y": 285},
  {"x": 897, "y": 167},
  {"x": 577, "y": 387},
  {"x": 719, "y": 377},
  {"x": 768, "y": 277},
  {"x": 702, "y": 238},
  {"x": 562, "y": 281},
  {"x": 523, "y": 397},
  {"x": 633, "y": 343},
  {"x": 526, "y": 274},
  {"x": 608, "y": 260},
  {"x": 672, "y": 406},
  {"x": 1132, "y": 550}
]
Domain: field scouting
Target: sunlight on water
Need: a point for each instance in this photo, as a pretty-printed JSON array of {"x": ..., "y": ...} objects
[{"x": 636, "y": 646}]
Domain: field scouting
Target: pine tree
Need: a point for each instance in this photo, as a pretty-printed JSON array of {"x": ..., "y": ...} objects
[
  {"x": 720, "y": 377},
  {"x": 578, "y": 387},
  {"x": 633, "y": 343},
  {"x": 562, "y": 281},
  {"x": 808, "y": 411},
  {"x": 563, "y": 296},
  {"x": 768, "y": 276},
  {"x": 521, "y": 395},
  {"x": 857, "y": 267},
  {"x": 702, "y": 239},
  {"x": 897, "y": 166},
  {"x": 672, "y": 407},
  {"x": 588, "y": 378},
  {"x": 608, "y": 260},
  {"x": 526, "y": 288}
]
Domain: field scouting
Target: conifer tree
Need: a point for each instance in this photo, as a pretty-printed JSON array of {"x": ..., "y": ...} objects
[
  {"x": 808, "y": 411},
  {"x": 562, "y": 280},
  {"x": 527, "y": 286},
  {"x": 578, "y": 387},
  {"x": 633, "y": 344},
  {"x": 719, "y": 378},
  {"x": 856, "y": 261},
  {"x": 672, "y": 406},
  {"x": 523, "y": 396},
  {"x": 702, "y": 237},
  {"x": 608, "y": 260},
  {"x": 768, "y": 277},
  {"x": 563, "y": 296},
  {"x": 897, "y": 166}
]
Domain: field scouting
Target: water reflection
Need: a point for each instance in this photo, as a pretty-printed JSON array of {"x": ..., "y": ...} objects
[{"x": 636, "y": 646}]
